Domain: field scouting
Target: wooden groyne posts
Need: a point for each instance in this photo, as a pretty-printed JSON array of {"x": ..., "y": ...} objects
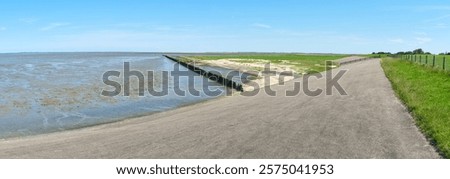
[{"x": 215, "y": 77}]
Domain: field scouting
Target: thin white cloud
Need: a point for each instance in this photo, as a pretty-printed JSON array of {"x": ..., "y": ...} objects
[
  {"x": 421, "y": 33},
  {"x": 53, "y": 26},
  {"x": 439, "y": 19},
  {"x": 351, "y": 39},
  {"x": 2, "y": 28},
  {"x": 28, "y": 20},
  {"x": 421, "y": 8},
  {"x": 152, "y": 27},
  {"x": 432, "y": 8},
  {"x": 132, "y": 25},
  {"x": 293, "y": 33},
  {"x": 259, "y": 25},
  {"x": 162, "y": 28},
  {"x": 423, "y": 40},
  {"x": 440, "y": 26},
  {"x": 397, "y": 41}
]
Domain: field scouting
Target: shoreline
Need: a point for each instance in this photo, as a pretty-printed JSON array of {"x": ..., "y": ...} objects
[
  {"x": 260, "y": 82},
  {"x": 52, "y": 92},
  {"x": 269, "y": 127},
  {"x": 348, "y": 60},
  {"x": 118, "y": 121},
  {"x": 274, "y": 81}
]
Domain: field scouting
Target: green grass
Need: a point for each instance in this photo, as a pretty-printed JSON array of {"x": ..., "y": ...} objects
[
  {"x": 428, "y": 60},
  {"x": 426, "y": 93},
  {"x": 377, "y": 55},
  {"x": 313, "y": 63}
]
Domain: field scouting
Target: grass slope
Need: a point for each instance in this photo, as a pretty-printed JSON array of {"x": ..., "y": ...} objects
[
  {"x": 428, "y": 60},
  {"x": 426, "y": 93}
]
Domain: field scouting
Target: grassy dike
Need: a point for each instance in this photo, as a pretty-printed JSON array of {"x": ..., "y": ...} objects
[
  {"x": 303, "y": 63},
  {"x": 426, "y": 93}
]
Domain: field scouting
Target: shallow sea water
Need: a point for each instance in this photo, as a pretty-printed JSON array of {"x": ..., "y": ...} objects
[{"x": 48, "y": 92}]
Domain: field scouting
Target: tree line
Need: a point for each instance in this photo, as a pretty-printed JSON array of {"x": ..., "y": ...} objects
[{"x": 418, "y": 51}]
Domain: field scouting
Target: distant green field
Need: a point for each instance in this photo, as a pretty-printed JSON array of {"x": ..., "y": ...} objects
[
  {"x": 428, "y": 60},
  {"x": 275, "y": 57},
  {"x": 426, "y": 93},
  {"x": 377, "y": 55},
  {"x": 313, "y": 63}
]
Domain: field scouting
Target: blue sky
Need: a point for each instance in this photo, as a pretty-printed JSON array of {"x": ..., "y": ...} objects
[{"x": 339, "y": 26}]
